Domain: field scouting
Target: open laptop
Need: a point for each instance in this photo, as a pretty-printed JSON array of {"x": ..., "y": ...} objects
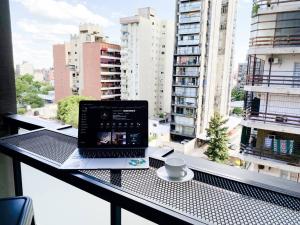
[{"x": 111, "y": 135}]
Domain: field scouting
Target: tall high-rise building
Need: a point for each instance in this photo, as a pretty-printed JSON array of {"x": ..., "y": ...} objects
[
  {"x": 147, "y": 49},
  {"x": 202, "y": 65},
  {"x": 241, "y": 76},
  {"x": 271, "y": 127},
  {"x": 87, "y": 65}
]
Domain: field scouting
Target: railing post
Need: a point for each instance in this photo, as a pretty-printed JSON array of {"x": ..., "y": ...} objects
[
  {"x": 7, "y": 98},
  {"x": 115, "y": 211}
]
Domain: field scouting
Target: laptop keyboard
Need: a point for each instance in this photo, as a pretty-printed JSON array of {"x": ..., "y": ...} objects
[{"x": 127, "y": 153}]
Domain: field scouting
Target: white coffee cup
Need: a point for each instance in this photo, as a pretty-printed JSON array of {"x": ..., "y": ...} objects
[{"x": 175, "y": 167}]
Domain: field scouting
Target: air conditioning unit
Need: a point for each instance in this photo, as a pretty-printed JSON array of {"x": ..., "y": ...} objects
[{"x": 277, "y": 61}]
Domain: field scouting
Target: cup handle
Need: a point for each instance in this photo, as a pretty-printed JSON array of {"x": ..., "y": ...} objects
[{"x": 184, "y": 171}]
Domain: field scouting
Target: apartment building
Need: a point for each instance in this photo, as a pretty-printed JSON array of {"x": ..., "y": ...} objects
[
  {"x": 241, "y": 76},
  {"x": 147, "y": 44},
  {"x": 271, "y": 127},
  {"x": 87, "y": 65},
  {"x": 202, "y": 65}
]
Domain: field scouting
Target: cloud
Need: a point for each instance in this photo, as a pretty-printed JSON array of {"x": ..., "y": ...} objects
[
  {"x": 64, "y": 11},
  {"x": 33, "y": 26},
  {"x": 26, "y": 49}
]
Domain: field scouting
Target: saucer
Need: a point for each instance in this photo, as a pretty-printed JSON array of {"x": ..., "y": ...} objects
[{"x": 162, "y": 174}]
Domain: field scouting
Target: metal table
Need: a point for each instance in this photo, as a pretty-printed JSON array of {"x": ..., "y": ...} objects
[{"x": 207, "y": 199}]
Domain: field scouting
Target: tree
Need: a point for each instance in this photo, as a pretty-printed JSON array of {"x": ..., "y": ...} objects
[
  {"x": 238, "y": 111},
  {"x": 237, "y": 94},
  {"x": 68, "y": 109},
  {"x": 218, "y": 139},
  {"x": 27, "y": 91}
]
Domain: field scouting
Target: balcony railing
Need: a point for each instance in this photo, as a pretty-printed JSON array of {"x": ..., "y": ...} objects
[
  {"x": 189, "y": 42},
  {"x": 276, "y": 118},
  {"x": 268, "y": 3},
  {"x": 283, "y": 79},
  {"x": 194, "y": 19},
  {"x": 275, "y": 41},
  {"x": 189, "y": 30},
  {"x": 268, "y": 153},
  {"x": 185, "y": 84},
  {"x": 184, "y": 104},
  {"x": 184, "y": 94},
  {"x": 183, "y": 133}
]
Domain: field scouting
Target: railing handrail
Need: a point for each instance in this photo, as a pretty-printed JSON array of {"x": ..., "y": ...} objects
[{"x": 265, "y": 2}]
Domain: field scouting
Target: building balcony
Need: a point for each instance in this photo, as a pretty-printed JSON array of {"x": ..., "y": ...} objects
[
  {"x": 184, "y": 20},
  {"x": 110, "y": 80},
  {"x": 188, "y": 42},
  {"x": 109, "y": 96},
  {"x": 188, "y": 30},
  {"x": 278, "y": 155},
  {"x": 271, "y": 4},
  {"x": 103, "y": 88},
  {"x": 184, "y": 104},
  {"x": 183, "y": 133},
  {"x": 273, "y": 121},
  {"x": 281, "y": 82},
  {"x": 190, "y": 7},
  {"x": 186, "y": 64},
  {"x": 186, "y": 84},
  {"x": 110, "y": 65},
  {"x": 184, "y": 94},
  {"x": 113, "y": 57},
  {"x": 110, "y": 73},
  {"x": 184, "y": 114},
  {"x": 281, "y": 44}
]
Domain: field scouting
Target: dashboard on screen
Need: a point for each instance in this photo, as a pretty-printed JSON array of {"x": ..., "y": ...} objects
[{"x": 113, "y": 124}]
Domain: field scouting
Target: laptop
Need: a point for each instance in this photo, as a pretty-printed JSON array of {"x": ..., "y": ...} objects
[{"x": 111, "y": 135}]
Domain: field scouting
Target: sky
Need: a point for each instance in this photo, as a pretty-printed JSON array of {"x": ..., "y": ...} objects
[{"x": 38, "y": 24}]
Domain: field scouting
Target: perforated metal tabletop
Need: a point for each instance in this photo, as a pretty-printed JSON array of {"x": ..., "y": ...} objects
[{"x": 207, "y": 198}]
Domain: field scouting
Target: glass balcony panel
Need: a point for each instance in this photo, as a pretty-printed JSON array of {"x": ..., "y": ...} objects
[
  {"x": 192, "y": 19},
  {"x": 189, "y": 30},
  {"x": 184, "y": 121},
  {"x": 186, "y": 7},
  {"x": 188, "y": 50},
  {"x": 188, "y": 42}
]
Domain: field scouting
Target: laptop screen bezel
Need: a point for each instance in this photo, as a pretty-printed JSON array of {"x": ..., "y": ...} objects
[{"x": 132, "y": 103}]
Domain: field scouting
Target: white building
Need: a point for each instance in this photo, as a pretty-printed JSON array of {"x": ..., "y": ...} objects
[
  {"x": 241, "y": 76},
  {"x": 24, "y": 68},
  {"x": 146, "y": 56},
  {"x": 271, "y": 132},
  {"x": 202, "y": 68}
]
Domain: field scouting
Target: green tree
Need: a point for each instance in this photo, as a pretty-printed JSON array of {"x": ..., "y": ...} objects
[
  {"x": 68, "y": 109},
  {"x": 27, "y": 90},
  {"x": 218, "y": 139},
  {"x": 237, "y": 94},
  {"x": 238, "y": 111}
]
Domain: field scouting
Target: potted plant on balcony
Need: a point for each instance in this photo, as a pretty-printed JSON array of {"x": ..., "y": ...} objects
[{"x": 255, "y": 8}]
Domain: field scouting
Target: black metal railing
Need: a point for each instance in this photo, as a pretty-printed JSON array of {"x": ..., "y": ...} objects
[
  {"x": 276, "y": 78},
  {"x": 293, "y": 158},
  {"x": 278, "y": 118}
]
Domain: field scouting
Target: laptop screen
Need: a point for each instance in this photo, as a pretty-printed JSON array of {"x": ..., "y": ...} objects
[{"x": 113, "y": 124}]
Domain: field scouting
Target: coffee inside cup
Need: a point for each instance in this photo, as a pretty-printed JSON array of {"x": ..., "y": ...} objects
[{"x": 176, "y": 167}]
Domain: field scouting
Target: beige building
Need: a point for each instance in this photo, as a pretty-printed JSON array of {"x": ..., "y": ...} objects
[
  {"x": 24, "y": 68},
  {"x": 87, "y": 65},
  {"x": 202, "y": 68},
  {"x": 147, "y": 47},
  {"x": 271, "y": 127}
]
